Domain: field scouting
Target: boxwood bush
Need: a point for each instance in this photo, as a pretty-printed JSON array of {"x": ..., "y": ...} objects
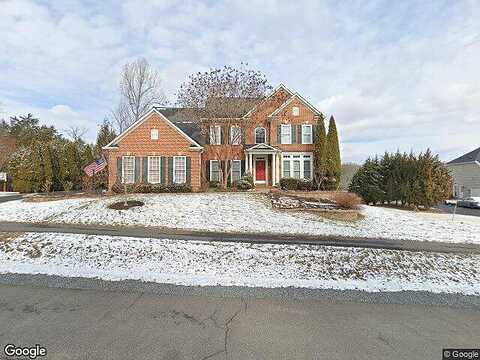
[
  {"x": 142, "y": 188},
  {"x": 289, "y": 183}
]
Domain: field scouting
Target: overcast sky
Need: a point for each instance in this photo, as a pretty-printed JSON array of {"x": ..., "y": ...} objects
[{"x": 396, "y": 74}]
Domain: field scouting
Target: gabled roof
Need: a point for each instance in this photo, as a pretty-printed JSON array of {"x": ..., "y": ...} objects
[
  {"x": 279, "y": 87},
  {"x": 288, "y": 101},
  {"x": 177, "y": 126},
  {"x": 472, "y": 156}
]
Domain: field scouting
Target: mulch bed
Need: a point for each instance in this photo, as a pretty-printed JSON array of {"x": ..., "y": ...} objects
[{"x": 122, "y": 205}]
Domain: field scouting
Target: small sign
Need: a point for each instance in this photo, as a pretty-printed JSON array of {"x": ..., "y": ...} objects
[{"x": 3, "y": 176}]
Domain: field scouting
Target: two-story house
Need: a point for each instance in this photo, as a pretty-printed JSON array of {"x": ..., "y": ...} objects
[{"x": 161, "y": 148}]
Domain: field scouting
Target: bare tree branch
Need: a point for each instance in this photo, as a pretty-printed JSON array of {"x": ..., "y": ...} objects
[
  {"x": 76, "y": 132},
  {"x": 219, "y": 98},
  {"x": 140, "y": 89}
]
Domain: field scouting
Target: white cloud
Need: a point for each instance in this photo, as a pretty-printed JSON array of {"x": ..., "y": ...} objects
[{"x": 395, "y": 75}]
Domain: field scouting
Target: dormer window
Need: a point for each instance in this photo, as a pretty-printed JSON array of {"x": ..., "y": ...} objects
[
  {"x": 154, "y": 134},
  {"x": 260, "y": 135},
  {"x": 295, "y": 111}
]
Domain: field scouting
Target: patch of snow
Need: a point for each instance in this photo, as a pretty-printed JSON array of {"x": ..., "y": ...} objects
[
  {"x": 8, "y": 193},
  {"x": 240, "y": 212},
  {"x": 196, "y": 263}
]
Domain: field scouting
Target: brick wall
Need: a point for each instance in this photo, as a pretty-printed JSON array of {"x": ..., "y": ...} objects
[{"x": 170, "y": 143}]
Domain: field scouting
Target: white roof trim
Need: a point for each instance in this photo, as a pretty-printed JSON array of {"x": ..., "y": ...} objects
[
  {"x": 293, "y": 97},
  {"x": 111, "y": 144},
  {"x": 463, "y": 163},
  {"x": 262, "y": 146},
  {"x": 281, "y": 86}
]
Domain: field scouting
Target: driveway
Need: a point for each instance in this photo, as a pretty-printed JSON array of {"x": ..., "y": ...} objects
[
  {"x": 460, "y": 210},
  {"x": 99, "y": 324}
]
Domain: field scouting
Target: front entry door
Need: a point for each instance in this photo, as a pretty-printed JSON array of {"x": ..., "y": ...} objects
[{"x": 260, "y": 170}]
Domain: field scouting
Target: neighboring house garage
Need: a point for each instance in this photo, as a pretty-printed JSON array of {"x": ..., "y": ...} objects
[{"x": 465, "y": 171}]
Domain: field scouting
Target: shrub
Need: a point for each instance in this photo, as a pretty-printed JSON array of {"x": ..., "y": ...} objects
[
  {"x": 249, "y": 178},
  {"x": 214, "y": 184},
  {"x": 179, "y": 188},
  {"x": 305, "y": 185},
  {"x": 158, "y": 188},
  {"x": 243, "y": 185},
  {"x": 142, "y": 188},
  {"x": 346, "y": 200},
  {"x": 289, "y": 183},
  {"x": 119, "y": 188}
]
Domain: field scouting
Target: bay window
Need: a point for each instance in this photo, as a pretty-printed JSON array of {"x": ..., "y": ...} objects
[{"x": 297, "y": 165}]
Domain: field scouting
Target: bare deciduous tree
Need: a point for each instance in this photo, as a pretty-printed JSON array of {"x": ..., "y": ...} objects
[
  {"x": 217, "y": 100},
  {"x": 139, "y": 90},
  {"x": 76, "y": 133}
]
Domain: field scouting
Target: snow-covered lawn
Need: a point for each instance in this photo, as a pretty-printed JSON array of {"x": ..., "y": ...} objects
[
  {"x": 240, "y": 212},
  {"x": 200, "y": 263}
]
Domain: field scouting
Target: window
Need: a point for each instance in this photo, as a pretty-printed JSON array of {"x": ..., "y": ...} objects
[
  {"x": 295, "y": 111},
  {"x": 214, "y": 170},
  {"x": 307, "y": 169},
  {"x": 236, "y": 173},
  {"x": 179, "y": 170},
  {"x": 215, "y": 135},
  {"x": 235, "y": 135},
  {"x": 286, "y": 137},
  {"x": 154, "y": 134},
  {"x": 306, "y": 134},
  {"x": 286, "y": 168},
  {"x": 153, "y": 169},
  {"x": 260, "y": 135},
  {"x": 296, "y": 169},
  {"x": 128, "y": 169},
  {"x": 297, "y": 165}
]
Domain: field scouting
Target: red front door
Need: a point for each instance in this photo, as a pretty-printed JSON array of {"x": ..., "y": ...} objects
[{"x": 260, "y": 170}]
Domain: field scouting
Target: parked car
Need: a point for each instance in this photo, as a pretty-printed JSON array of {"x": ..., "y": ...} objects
[
  {"x": 471, "y": 202},
  {"x": 451, "y": 202}
]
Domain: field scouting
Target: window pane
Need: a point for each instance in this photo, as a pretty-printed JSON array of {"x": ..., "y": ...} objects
[
  {"x": 286, "y": 134},
  {"x": 179, "y": 166},
  {"x": 306, "y": 134},
  {"x": 259, "y": 135},
  {"x": 236, "y": 170},
  {"x": 307, "y": 169},
  {"x": 214, "y": 171},
  {"x": 154, "y": 169},
  {"x": 215, "y": 135},
  {"x": 129, "y": 169},
  {"x": 296, "y": 169},
  {"x": 235, "y": 135},
  {"x": 286, "y": 168},
  {"x": 154, "y": 134}
]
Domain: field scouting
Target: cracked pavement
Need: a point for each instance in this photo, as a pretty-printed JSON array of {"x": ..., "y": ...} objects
[{"x": 100, "y": 324}]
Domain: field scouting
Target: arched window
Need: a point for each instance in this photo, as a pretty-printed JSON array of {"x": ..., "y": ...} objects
[{"x": 260, "y": 134}]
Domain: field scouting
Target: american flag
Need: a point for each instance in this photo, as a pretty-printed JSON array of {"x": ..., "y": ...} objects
[{"x": 95, "y": 167}]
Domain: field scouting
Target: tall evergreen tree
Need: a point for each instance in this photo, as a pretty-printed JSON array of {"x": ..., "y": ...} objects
[
  {"x": 106, "y": 134},
  {"x": 334, "y": 164},
  {"x": 320, "y": 153}
]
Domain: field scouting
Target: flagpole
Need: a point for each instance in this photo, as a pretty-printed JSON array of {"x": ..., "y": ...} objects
[{"x": 93, "y": 181}]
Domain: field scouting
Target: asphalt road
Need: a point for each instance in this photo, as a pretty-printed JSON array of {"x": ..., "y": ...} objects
[
  {"x": 5, "y": 198},
  {"x": 99, "y": 324},
  {"x": 254, "y": 238},
  {"x": 460, "y": 210}
]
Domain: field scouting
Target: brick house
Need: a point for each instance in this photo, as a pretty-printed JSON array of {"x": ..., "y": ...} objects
[{"x": 162, "y": 148}]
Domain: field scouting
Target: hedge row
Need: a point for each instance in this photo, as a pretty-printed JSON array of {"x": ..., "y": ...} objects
[
  {"x": 296, "y": 184},
  {"x": 142, "y": 188}
]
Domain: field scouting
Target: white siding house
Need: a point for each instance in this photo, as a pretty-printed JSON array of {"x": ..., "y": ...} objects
[{"x": 465, "y": 171}]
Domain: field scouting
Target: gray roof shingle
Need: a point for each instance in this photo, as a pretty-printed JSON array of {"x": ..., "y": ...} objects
[{"x": 472, "y": 156}]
